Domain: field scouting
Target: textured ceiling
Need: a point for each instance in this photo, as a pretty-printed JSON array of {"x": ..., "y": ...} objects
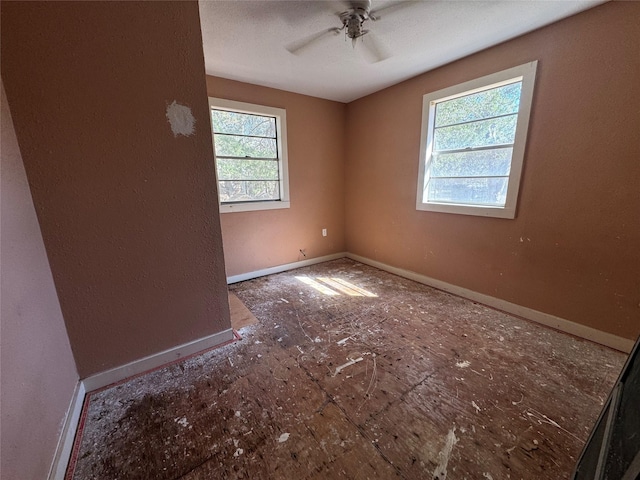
[{"x": 248, "y": 40}]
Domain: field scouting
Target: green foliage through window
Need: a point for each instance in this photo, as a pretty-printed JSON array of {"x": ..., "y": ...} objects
[
  {"x": 473, "y": 137},
  {"x": 246, "y": 147}
]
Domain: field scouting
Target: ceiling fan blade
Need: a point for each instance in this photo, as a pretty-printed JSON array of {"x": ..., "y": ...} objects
[
  {"x": 299, "y": 45},
  {"x": 373, "y": 49},
  {"x": 378, "y": 13}
]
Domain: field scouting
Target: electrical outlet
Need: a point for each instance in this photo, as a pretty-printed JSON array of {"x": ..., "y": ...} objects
[{"x": 324, "y": 232}]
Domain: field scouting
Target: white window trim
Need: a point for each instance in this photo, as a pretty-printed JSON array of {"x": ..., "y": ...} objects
[
  {"x": 280, "y": 115},
  {"x": 527, "y": 73}
]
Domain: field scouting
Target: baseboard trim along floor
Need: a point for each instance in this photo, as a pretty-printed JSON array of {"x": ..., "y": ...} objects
[
  {"x": 67, "y": 437},
  {"x": 156, "y": 360},
  {"x": 387, "y": 372},
  {"x": 283, "y": 268},
  {"x": 603, "y": 338},
  {"x": 109, "y": 377},
  {"x": 100, "y": 380}
]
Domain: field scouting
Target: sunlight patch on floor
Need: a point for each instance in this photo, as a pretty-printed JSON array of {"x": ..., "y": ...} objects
[{"x": 338, "y": 286}]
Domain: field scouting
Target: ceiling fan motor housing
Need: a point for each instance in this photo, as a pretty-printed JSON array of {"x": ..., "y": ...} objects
[{"x": 353, "y": 19}]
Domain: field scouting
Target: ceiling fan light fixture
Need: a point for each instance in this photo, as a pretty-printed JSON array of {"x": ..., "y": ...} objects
[{"x": 352, "y": 24}]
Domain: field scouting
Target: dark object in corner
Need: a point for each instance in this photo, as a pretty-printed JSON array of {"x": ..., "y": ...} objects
[{"x": 613, "y": 449}]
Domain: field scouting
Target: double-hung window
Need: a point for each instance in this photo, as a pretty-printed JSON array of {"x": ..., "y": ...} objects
[
  {"x": 251, "y": 155},
  {"x": 473, "y": 143}
]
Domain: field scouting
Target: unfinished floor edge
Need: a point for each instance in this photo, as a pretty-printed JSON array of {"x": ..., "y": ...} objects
[{"x": 567, "y": 326}]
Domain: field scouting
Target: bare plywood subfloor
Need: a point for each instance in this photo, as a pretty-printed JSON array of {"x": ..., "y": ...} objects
[
  {"x": 334, "y": 382},
  {"x": 241, "y": 316}
]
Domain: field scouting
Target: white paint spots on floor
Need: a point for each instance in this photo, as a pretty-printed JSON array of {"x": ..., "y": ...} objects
[
  {"x": 238, "y": 452},
  {"x": 463, "y": 364},
  {"x": 345, "y": 365},
  {"x": 182, "y": 421},
  {"x": 440, "y": 473},
  {"x": 487, "y": 475},
  {"x": 475, "y": 405},
  {"x": 181, "y": 119},
  {"x": 283, "y": 438}
]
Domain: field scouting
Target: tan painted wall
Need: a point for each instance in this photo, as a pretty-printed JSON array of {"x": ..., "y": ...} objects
[
  {"x": 574, "y": 249},
  {"x": 315, "y": 129},
  {"x": 128, "y": 212},
  {"x": 38, "y": 372}
]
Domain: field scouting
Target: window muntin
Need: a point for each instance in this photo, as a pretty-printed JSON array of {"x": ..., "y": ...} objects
[
  {"x": 472, "y": 145},
  {"x": 250, "y": 150}
]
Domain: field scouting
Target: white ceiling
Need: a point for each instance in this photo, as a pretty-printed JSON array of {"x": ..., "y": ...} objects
[{"x": 247, "y": 40}]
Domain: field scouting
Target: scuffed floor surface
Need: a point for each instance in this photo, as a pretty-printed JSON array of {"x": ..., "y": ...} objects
[{"x": 334, "y": 383}]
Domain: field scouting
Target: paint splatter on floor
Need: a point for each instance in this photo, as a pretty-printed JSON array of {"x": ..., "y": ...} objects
[
  {"x": 440, "y": 472},
  {"x": 382, "y": 378}
]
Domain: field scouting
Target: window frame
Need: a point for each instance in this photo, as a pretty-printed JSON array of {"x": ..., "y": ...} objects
[
  {"x": 526, "y": 73},
  {"x": 280, "y": 114}
]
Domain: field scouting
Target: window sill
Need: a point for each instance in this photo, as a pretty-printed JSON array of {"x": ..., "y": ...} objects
[
  {"x": 253, "y": 206},
  {"x": 475, "y": 210}
]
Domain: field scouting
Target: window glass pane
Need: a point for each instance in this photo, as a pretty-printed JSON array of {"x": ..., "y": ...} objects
[
  {"x": 474, "y": 191},
  {"x": 480, "y": 163},
  {"x": 240, "y": 169},
  {"x": 494, "y": 131},
  {"x": 232, "y": 146},
  {"x": 247, "y": 191},
  {"x": 488, "y": 103},
  {"x": 243, "y": 124}
]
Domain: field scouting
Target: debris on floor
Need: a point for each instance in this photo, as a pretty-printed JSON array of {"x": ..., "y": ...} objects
[{"x": 352, "y": 372}]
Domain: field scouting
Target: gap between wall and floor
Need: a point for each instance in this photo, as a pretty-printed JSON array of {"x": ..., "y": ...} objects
[{"x": 138, "y": 367}]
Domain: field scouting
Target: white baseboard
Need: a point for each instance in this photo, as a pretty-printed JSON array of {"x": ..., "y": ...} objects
[
  {"x": 102, "y": 379},
  {"x": 65, "y": 442},
  {"x": 603, "y": 338},
  {"x": 68, "y": 435},
  {"x": 283, "y": 268},
  {"x": 156, "y": 360}
]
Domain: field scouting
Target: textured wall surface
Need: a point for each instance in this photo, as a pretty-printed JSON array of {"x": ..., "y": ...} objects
[
  {"x": 127, "y": 204},
  {"x": 315, "y": 129},
  {"x": 573, "y": 249},
  {"x": 38, "y": 371}
]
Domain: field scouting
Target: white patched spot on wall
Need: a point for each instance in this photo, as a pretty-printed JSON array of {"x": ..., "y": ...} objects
[{"x": 181, "y": 119}]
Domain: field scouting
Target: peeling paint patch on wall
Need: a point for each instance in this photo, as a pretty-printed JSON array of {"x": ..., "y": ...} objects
[{"x": 181, "y": 119}]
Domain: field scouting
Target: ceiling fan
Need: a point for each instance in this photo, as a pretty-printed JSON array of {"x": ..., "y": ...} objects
[{"x": 353, "y": 21}]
